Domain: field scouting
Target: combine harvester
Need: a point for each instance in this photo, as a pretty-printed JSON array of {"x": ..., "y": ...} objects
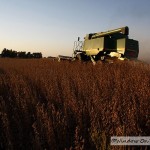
[{"x": 105, "y": 46}]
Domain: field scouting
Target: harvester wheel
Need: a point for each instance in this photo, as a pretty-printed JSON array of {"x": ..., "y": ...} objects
[
  {"x": 79, "y": 57},
  {"x": 102, "y": 58}
]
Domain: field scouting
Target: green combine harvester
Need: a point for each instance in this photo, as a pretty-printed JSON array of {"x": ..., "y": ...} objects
[{"x": 105, "y": 45}]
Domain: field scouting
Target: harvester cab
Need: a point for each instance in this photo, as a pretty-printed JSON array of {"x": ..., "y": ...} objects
[{"x": 103, "y": 45}]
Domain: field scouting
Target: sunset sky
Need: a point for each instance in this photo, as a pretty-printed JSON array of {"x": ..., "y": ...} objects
[{"x": 52, "y": 26}]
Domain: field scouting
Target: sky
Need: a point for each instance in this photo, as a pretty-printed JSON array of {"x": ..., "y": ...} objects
[{"x": 52, "y": 26}]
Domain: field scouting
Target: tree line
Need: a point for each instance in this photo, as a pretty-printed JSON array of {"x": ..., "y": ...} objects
[{"x": 14, "y": 54}]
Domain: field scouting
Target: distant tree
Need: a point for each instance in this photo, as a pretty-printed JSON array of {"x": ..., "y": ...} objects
[
  {"x": 6, "y": 53},
  {"x": 29, "y": 55},
  {"x": 13, "y": 54},
  {"x": 22, "y": 54},
  {"x": 37, "y": 55},
  {"x": 3, "y": 54}
]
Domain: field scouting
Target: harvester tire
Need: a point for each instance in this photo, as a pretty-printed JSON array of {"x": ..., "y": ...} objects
[
  {"x": 79, "y": 57},
  {"x": 102, "y": 58}
]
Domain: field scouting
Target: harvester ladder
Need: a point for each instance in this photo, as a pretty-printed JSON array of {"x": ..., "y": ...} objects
[{"x": 78, "y": 45}]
